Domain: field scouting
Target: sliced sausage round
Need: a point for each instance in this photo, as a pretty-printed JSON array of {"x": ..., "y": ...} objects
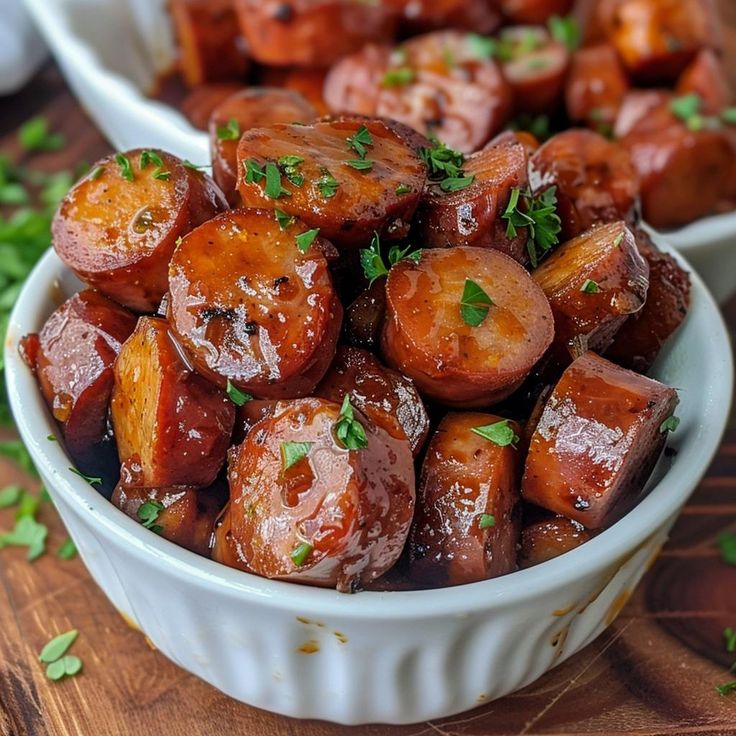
[
  {"x": 303, "y": 507},
  {"x": 534, "y": 11},
  {"x": 198, "y": 105},
  {"x": 252, "y": 306},
  {"x": 118, "y": 226},
  {"x": 466, "y": 325},
  {"x": 364, "y": 317},
  {"x": 420, "y": 16},
  {"x": 544, "y": 540}
]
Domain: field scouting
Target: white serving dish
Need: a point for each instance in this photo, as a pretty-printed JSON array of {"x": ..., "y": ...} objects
[
  {"x": 112, "y": 50},
  {"x": 376, "y": 657}
]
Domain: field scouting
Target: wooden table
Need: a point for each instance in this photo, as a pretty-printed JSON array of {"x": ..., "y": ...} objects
[{"x": 653, "y": 672}]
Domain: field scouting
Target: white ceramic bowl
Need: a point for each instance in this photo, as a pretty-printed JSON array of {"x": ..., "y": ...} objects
[{"x": 374, "y": 657}]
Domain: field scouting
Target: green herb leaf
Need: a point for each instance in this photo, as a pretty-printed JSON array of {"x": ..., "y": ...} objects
[
  {"x": 148, "y": 513},
  {"x": 729, "y": 115},
  {"x": 565, "y": 30},
  {"x": 670, "y": 424},
  {"x": 483, "y": 47},
  {"x": 475, "y": 304},
  {"x": 455, "y": 184},
  {"x": 539, "y": 216},
  {"x": 235, "y": 395},
  {"x": 403, "y": 189},
  {"x": 91, "y": 479},
  {"x": 727, "y": 548},
  {"x": 729, "y": 687},
  {"x": 399, "y": 77},
  {"x": 360, "y": 141},
  {"x": 487, "y": 521},
  {"x": 293, "y": 452},
  {"x": 300, "y": 554},
  {"x": 349, "y": 431},
  {"x": 590, "y": 287},
  {"x": 327, "y": 184},
  {"x": 34, "y": 135},
  {"x": 13, "y": 194},
  {"x": 285, "y": 221},
  {"x": 68, "y": 550},
  {"x": 194, "y": 167},
  {"x": 686, "y": 107},
  {"x": 254, "y": 172},
  {"x": 729, "y": 635},
  {"x": 126, "y": 169},
  {"x": 58, "y": 646},
  {"x": 230, "y": 131},
  {"x": 10, "y": 496},
  {"x": 96, "y": 173},
  {"x": 442, "y": 161},
  {"x": 500, "y": 433},
  {"x": 28, "y": 506},
  {"x": 373, "y": 264},
  {"x": 360, "y": 164},
  {"x": 27, "y": 533},
  {"x": 150, "y": 157},
  {"x": 289, "y": 165},
  {"x": 305, "y": 240},
  {"x": 273, "y": 188}
]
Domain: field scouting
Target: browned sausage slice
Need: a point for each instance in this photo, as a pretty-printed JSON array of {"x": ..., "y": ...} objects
[
  {"x": 118, "y": 226},
  {"x": 706, "y": 77},
  {"x": 544, "y": 540},
  {"x": 534, "y": 11},
  {"x": 76, "y": 349},
  {"x": 209, "y": 39},
  {"x": 304, "y": 507},
  {"x": 254, "y": 304},
  {"x": 479, "y": 16},
  {"x": 466, "y": 324},
  {"x": 384, "y": 396},
  {"x": 595, "y": 179},
  {"x": 473, "y": 215},
  {"x": 594, "y": 283},
  {"x": 364, "y": 317},
  {"x": 172, "y": 426},
  {"x": 466, "y": 527},
  {"x": 257, "y": 107},
  {"x": 597, "y": 442},
  {"x": 348, "y": 177},
  {"x": 312, "y": 32},
  {"x": 198, "y": 105},
  {"x": 309, "y": 83}
]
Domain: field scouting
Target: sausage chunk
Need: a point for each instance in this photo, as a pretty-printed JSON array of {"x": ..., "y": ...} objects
[
  {"x": 185, "y": 516},
  {"x": 209, "y": 40},
  {"x": 173, "y": 427},
  {"x": 534, "y": 11},
  {"x": 594, "y": 283},
  {"x": 252, "y": 306},
  {"x": 118, "y": 226},
  {"x": 706, "y": 77},
  {"x": 312, "y": 33},
  {"x": 441, "y": 84},
  {"x": 597, "y": 442},
  {"x": 420, "y": 16},
  {"x": 364, "y": 317},
  {"x": 535, "y": 66},
  {"x": 73, "y": 361},
  {"x": 640, "y": 340},
  {"x": 387, "y": 398},
  {"x": 595, "y": 179},
  {"x": 596, "y": 87},
  {"x": 544, "y": 540},
  {"x": 348, "y": 177},
  {"x": 473, "y": 215},
  {"x": 466, "y": 527},
  {"x": 256, "y": 107},
  {"x": 309, "y": 83},
  {"x": 303, "y": 507},
  {"x": 466, "y": 324},
  {"x": 657, "y": 39},
  {"x": 198, "y": 105}
]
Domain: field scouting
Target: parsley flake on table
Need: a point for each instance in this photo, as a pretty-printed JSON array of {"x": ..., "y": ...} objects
[
  {"x": 475, "y": 304},
  {"x": 729, "y": 634},
  {"x": 10, "y": 496},
  {"x": 230, "y": 131},
  {"x": 67, "y": 550},
  {"x": 293, "y": 452},
  {"x": 539, "y": 215},
  {"x": 349, "y": 431},
  {"x": 35, "y": 135},
  {"x": 59, "y": 663},
  {"x": 27, "y": 533},
  {"x": 499, "y": 433},
  {"x": 727, "y": 547}
]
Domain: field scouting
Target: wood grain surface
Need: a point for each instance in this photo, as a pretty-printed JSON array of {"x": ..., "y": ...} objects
[{"x": 653, "y": 672}]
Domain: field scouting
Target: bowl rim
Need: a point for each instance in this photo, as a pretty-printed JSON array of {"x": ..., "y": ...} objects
[{"x": 610, "y": 547}]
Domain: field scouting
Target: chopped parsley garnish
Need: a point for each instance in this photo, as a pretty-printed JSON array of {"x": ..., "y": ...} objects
[
  {"x": 487, "y": 521},
  {"x": 151, "y": 157},
  {"x": 446, "y": 167},
  {"x": 230, "y": 131},
  {"x": 360, "y": 141},
  {"x": 687, "y": 108},
  {"x": 254, "y": 172},
  {"x": 483, "y": 47},
  {"x": 565, "y": 30},
  {"x": 10, "y": 496},
  {"x": 148, "y": 514},
  {"x": 274, "y": 188},
  {"x": 399, "y": 77},
  {"x": 293, "y": 452},
  {"x": 374, "y": 266},
  {"x": 475, "y": 304},
  {"x": 590, "y": 287},
  {"x": 360, "y": 164},
  {"x": 727, "y": 548},
  {"x": 27, "y": 533},
  {"x": 327, "y": 184},
  {"x": 126, "y": 170},
  {"x": 537, "y": 125},
  {"x": 289, "y": 165},
  {"x": 285, "y": 221},
  {"x": 238, "y": 397},
  {"x": 499, "y": 433},
  {"x": 34, "y": 135},
  {"x": 67, "y": 551},
  {"x": 729, "y": 635},
  {"x": 305, "y": 240},
  {"x": 455, "y": 184},
  {"x": 187, "y": 164},
  {"x": 300, "y": 554},
  {"x": 539, "y": 216},
  {"x": 403, "y": 189},
  {"x": 670, "y": 424},
  {"x": 91, "y": 479},
  {"x": 729, "y": 115},
  {"x": 59, "y": 663},
  {"x": 349, "y": 431},
  {"x": 729, "y": 687},
  {"x": 96, "y": 173}
]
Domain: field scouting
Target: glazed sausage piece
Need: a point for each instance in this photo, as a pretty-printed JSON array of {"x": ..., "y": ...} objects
[
  {"x": 172, "y": 426},
  {"x": 594, "y": 283},
  {"x": 535, "y": 66},
  {"x": 384, "y": 396},
  {"x": 464, "y": 356},
  {"x": 185, "y": 516},
  {"x": 657, "y": 39},
  {"x": 348, "y": 177},
  {"x": 364, "y": 317},
  {"x": 595, "y": 179},
  {"x": 597, "y": 442},
  {"x": 73, "y": 360},
  {"x": 198, "y": 105},
  {"x": 420, "y": 16},
  {"x": 636, "y": 107},
  {"x": 641, "y": 339},
  {"x": 312, "y": 33},
  {"x": 305, "y": 508},
  {"x": 596, "y": 87},
  {"x": 440, "y": 84},
  {"x": 118, "y": 226},
  {"x": 534, "y": 11},
  {"x": 209, "y": 41},
  {"x": 683, "y": 173},
  {"x": 309, "y": 83},
  {"x": 544, "y": 540},
  {"x": 252, "y": 306},
  {"x": 473, "y": 215},
  {"x": 257, "y": 107},
  {"x": 466, "y": 526},
  {"x": 706, "y": 77}
]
